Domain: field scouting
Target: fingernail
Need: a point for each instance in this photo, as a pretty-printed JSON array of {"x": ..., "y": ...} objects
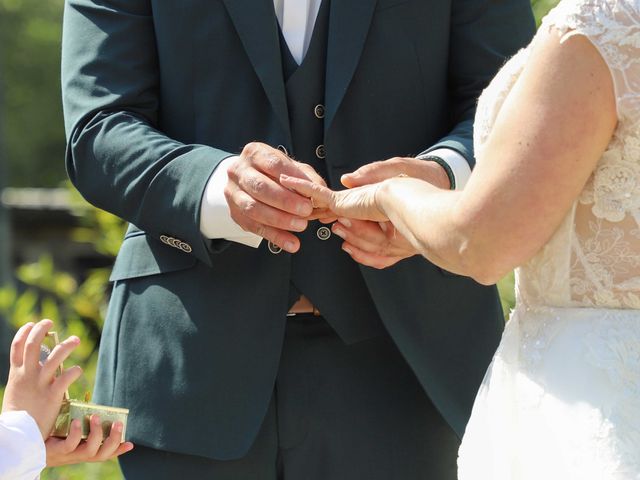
[
  {"x": 347, "y": 249},
  {"x": 304, "y": 209},
  {"x": 290, "y": 247},
  {"x": 345, "y": 221},
  {"x": 298, "y": 224},
  {"x": 338, "y": 231},
  {"x": 118, "y": 426},
  {"x": 95, "y": 420},
  {"x": 74, "y": 339}
]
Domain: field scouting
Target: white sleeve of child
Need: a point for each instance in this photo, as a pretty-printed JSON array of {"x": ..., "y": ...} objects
[{"x": 22, "y": 451}]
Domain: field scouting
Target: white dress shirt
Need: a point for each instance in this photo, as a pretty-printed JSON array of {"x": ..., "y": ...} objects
[
  {"x": 297, "y": 19},
  {"x": 22, "y": 451}
]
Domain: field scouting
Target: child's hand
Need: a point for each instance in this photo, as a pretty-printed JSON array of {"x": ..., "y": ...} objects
[
  {"x": 61, "y": 451},
  {"x": 34, "y": 386}
]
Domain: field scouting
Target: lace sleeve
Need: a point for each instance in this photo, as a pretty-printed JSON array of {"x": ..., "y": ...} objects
[{"x": 613, "y": 27}]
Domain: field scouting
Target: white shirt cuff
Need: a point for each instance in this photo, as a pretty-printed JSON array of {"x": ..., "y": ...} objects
[
  {"x": 215, "y": 217},
  {"x": 22, "y": 450},
  {"x": 457, "y": 163}
]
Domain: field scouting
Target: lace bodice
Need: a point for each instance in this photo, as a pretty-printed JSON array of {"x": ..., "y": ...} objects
[{"x": 593, "y": 258}]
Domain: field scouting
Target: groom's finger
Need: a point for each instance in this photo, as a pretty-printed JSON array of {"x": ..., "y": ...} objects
[
  {"x": 312, "y": 174},
  {"x": 320, "y": 195}
]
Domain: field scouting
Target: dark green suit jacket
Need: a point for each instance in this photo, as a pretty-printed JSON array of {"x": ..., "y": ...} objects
[{"x": 158, "y": 92}]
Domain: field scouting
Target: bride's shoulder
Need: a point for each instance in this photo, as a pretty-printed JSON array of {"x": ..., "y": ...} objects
[{"x": 594, "y": 17}]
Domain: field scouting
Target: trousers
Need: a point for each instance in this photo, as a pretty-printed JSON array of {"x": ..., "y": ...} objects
[{"x": 338, "y": 412}]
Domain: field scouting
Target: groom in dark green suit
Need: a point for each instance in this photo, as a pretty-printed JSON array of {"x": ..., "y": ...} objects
[{"x": 246, "y": 343}]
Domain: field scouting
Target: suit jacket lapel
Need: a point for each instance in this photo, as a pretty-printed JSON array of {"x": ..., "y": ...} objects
[
  {"x": 349, "y": 23},
  {"x": 257, "y": 26}
]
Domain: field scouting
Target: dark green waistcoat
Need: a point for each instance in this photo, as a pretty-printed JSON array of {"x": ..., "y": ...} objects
[{"x": 320, "y": 270}]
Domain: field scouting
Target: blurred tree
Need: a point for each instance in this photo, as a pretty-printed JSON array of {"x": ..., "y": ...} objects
[
  {"x": 30, "y": 32},
  {"x": 5, "y": 247}
]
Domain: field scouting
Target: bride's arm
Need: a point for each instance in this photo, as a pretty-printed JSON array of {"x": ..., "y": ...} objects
[{"x": 550, "y": 133}]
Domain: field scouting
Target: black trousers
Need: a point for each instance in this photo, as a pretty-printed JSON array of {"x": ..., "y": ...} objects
[{"x": 339, "y": 412}]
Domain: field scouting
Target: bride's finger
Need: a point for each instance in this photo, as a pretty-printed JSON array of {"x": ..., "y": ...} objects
[
  {"x": 321, "y": 196},
  {"x": 369, "y": 238},
  {"x": 370, "y": 259}
]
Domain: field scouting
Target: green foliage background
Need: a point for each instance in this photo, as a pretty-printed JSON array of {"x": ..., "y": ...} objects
[{"x": 30, "y": 32}]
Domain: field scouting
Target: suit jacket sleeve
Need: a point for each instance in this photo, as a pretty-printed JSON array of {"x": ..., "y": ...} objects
[
  {"x": 116, "y": 157},
  {"x": 484, "y": 34}
]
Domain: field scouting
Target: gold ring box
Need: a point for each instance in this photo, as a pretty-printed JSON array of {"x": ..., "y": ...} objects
[{"x": 74, "y": 409}]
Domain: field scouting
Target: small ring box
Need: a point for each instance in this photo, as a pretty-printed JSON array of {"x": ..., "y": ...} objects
[{"x": 74, "y": 409}]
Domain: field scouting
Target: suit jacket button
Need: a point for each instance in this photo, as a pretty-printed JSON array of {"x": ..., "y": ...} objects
[
  {"x": 320, "y": 152},
  {"x": 164, "y": 239},
  {"x": 185, "y": 247},
  {"x": 283, "y": 149},
  {"x": 323, "y": 233},
  {"x": 318, "y": 111},
  {"x": 273, "y": 248}
]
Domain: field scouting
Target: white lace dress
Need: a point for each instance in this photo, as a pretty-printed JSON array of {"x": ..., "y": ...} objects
[{"x": 561, "y": 399}]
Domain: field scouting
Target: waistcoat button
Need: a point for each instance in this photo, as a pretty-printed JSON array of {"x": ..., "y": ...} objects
[
  {"x": 273, "y": 248},
  {"x": 318, "y": 111},
  {"x": 323, "y": 233},
  {"x": 283, "y": 149}
]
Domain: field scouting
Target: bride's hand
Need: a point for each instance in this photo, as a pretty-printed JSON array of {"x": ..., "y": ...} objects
[{"x": 358, "y": 203}]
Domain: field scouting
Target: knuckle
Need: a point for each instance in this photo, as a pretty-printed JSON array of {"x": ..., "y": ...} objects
[
  {"x": 274, "y": 163},
  {"x": 250, "y": 149},
  {"x": 259, "y": 186},
  {"x": 250, "y": 208}
]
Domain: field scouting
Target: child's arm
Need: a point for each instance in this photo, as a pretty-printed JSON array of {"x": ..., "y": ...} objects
[
  {"x": 34, "y": 387},
  {"x": 22, "y": 452}
]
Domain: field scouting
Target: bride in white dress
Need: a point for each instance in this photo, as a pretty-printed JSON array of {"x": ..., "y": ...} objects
[{"x": 556, "y": 191}]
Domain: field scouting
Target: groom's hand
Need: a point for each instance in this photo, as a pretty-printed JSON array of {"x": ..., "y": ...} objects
[
  {"x": 257, "y": 201},
  {"x": 380, "y": 245}
]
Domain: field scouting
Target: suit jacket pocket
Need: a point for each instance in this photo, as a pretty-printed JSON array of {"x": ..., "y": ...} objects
[{"x": 141, "y": 256}]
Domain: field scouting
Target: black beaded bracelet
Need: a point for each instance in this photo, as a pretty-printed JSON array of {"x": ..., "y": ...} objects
[{"x": 443, "y": 164}]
